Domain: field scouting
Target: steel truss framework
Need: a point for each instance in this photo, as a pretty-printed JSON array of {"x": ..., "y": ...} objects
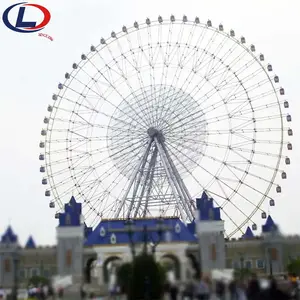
[{"x": 140, "y": 194}]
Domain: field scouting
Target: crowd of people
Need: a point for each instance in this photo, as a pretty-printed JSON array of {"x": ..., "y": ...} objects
[
  {"x": 251, "y": 289},
  {"x": 41, "y": 292},
  {"x": 203, "y": 289}
]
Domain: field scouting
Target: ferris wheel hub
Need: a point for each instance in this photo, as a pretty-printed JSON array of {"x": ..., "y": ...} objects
[
  {"x": 155, "y": 133},
  {"x": 152, "y": 132}
]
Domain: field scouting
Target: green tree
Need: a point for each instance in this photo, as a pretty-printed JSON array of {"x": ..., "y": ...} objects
[
  {"x": 148, "y": 278},
  {"x": 142, "y": 278},
  {"x": 294, "y": 267}
]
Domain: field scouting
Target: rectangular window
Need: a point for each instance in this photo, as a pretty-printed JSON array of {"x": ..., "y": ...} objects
[
  {"x": 228, "y": 263},
  {"x": 69, "y": 258},
  {"x": 248, "y": 264},
  {"x": 46, "y": 273},
  {"x": 260, "y": 264},
  {"x": 22, "y": 273},
  {"x": 236, "y": 265},
  {"x": 273, "y": 253},
  {"x": 35, "y": 272},
  {"x": 213, "y": 252}
]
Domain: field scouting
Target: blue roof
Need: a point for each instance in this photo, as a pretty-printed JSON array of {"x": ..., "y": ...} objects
[
  {"x": 248, "y": 234},
  {"x": 30, "y": 244},
  {"x": 269, "y": 225},
  {"x": 206, "y": 209},
  {"x": 104, "y": 233},
  {"x": 9, "y": 237}
]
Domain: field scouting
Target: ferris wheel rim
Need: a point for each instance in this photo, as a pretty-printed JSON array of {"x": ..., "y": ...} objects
[{"x": 156, "y": 23}]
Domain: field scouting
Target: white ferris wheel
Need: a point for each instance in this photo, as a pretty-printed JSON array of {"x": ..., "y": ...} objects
[{"x": 160, "y": 112}]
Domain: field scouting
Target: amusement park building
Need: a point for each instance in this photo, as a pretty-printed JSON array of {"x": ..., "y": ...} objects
[{"x": 78, "y": 246}]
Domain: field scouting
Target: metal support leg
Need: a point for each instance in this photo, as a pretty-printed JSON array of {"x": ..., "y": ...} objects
[
  {"x": 174, "y": 188},
  {"x": 148, "y": 177},
  {"x": 133, "y": 178},
  {"x": 184, "y": 189},
  {"x": 138, "y": 180}
]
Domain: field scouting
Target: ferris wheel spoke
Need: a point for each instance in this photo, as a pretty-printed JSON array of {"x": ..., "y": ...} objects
[
  {"x": 256, "y": 152},
  {"x": 177, "y": 76},
  {"x": 233, "y": 87},
  {"x": 186, "y": 52},
  {"x": 229, "y": 202},
  {"x": 136, "y": 66},
  {"x": 112, "y": 85},
  {"x": 253, "y": 162},
  {"x": 202, "y": 111},
  {"x": 106, "y": 160},
  {"x": 224, "y": 79},
  {"x": 125, "y": 151},
  {"x": 223, "y": 67},
  {"x": 230, "y": 165},
  {"x": 210, "y": 192},
  {"x": 225, "y": 184},
  {"x": 232, "y": 148},
  {"x": 85, "y": 108},
  {"x": 243, "y": 113},
  {"x": 176, "y": 52}
]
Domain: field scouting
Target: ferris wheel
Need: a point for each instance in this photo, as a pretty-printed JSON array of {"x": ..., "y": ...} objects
[{"x": 160, "y": 112}]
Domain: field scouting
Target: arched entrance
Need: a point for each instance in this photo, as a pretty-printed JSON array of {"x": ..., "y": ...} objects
[
  {"x": 109, "y": 266},
  {"x": 88, "y": 269},
  {"x": 194, "y": 264},
  {"x": 172, "y": 263}
]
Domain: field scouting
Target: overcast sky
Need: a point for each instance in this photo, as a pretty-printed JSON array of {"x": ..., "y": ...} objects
[{"x": 31, "y": 67}]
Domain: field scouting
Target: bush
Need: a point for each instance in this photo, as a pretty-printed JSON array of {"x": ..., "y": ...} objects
[
  {"x": 294, "y": 267},
  {"x": 243, "y": 273}
]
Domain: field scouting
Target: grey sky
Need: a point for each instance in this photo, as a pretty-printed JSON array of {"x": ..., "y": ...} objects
[{"x": 31, "y": 67}]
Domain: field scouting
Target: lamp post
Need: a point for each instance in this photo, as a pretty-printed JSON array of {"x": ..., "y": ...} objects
[
  {"x": 242, "y": 260},
  {"x": 270, "y": 259},
  {"x": 129, "y": 228},
  {"x": 145, "y": 239},
  {"x": 160, "y": 230},
  {"x": 16, "y": 260}
]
